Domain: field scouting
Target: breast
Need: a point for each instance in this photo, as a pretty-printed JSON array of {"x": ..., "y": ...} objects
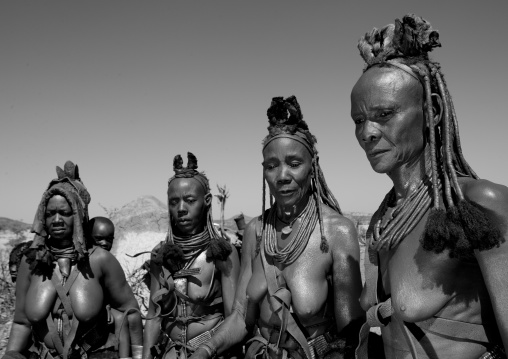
[
  {"x": 87, "y": 298},
  {"x": 423, "y": 284},
  {"x": 40, "y": 299}
]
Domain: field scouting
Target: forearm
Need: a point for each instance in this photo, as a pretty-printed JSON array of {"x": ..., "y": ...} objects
[
  {"x": 151, "y": 333},
  {"x": 20, "y": 337},
  {"x": 135, "y": 328}
]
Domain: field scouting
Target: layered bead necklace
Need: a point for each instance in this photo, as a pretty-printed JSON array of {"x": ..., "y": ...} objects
[
  {"x": 391, "y": 228},
  {"x": 296, "y": 246}
]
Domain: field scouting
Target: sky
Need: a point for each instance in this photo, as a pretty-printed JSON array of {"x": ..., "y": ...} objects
[{"x": 121, "y": 87}]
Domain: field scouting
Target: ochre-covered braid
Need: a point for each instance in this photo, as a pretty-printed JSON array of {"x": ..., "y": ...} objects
[
  {"x": 286, "y": 120},
  {"x": 460, "y": 226}
]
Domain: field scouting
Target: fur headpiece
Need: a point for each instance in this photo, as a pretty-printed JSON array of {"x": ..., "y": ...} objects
[
  {"x": 286, "y": 118},
  {"x": 68, "y": 185},
  {"x": 411, "y": 37}
]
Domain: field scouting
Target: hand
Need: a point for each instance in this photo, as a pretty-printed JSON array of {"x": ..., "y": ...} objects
[{"x": 200, "y": 353}]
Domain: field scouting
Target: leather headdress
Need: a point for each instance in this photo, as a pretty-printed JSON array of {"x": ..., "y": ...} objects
[{"x": 68, "y": 184}]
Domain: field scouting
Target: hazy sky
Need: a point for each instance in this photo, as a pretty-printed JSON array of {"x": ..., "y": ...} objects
[{"x": 121, "y": 87}]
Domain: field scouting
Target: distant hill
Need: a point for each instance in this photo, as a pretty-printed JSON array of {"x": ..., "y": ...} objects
[{"x": 12, "y": 225}]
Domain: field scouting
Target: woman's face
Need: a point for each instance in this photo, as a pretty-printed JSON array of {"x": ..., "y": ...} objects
[
  {"x": 59, "y": 219},
  {"x": 387, "y": 109},
  {"x": 287, "y": 168},
  {"x": 187, "y": 204}
]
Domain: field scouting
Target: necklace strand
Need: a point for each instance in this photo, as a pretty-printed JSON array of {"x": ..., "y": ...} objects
[{"x": 297, "y": 244}]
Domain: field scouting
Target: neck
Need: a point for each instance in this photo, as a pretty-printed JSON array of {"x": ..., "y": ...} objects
[
  {"x": 288, "y": 213},
  {"x": 407, "y": 177}
]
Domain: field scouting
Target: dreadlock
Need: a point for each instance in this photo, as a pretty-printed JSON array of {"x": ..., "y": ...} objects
[
  {"x": 286, "y": 120},
  {"x": 174, "y": 256},
  {"x": 453, "y": 223}
]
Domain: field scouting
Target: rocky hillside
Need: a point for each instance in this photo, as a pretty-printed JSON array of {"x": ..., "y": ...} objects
[{"x": 13, "y": 232}]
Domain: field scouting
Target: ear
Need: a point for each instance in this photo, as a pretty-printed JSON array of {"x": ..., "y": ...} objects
[
  {"x": 208, "y": 199},
  {"x": 437, "y": 108}
]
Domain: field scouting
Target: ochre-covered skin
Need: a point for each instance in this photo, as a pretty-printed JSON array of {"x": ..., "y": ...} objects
[
  {"x": 187, "y": 206},
  {"x": 387, "y": 108},
  {"x": 287, "y": 169},
  {"x": 101, "y": 281}
]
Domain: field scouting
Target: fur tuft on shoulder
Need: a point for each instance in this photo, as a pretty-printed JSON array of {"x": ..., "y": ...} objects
[
  {"x": 219, "y": 249},
  {"x": 170, "y": 256}
]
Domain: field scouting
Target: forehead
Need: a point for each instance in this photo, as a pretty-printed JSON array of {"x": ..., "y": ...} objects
[
  {"x": 389, "y": 83},
  {"x": 185, "y": 187},
  {"x": 285, "y": 147},
  {"x": 58, "y": 201}
]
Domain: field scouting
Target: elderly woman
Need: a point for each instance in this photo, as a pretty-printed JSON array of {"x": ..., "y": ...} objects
[
  {"x": 64, "y": 283},
  {"x": 300, "y": 280},
  {"x": 193, "y": 272},
  {"x": 435, "y": 268}
]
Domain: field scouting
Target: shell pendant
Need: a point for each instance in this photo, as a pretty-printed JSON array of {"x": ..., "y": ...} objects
[{"x": 287, "y": 230}]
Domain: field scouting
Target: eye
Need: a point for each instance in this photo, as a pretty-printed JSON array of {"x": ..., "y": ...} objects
[
  {"x": 358, "y": 120},
  {"x": 191, "y": 200},
  {"x": 295, "y": 164},
  {"x": 269, "y": 166},
  {"x": 385, "y": 113}
]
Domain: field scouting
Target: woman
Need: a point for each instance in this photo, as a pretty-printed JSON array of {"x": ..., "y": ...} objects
[
  {"x": 300, "y": 280},
  {"x": 193, "y": 273},
  {"x": 65, "y": 283},
  {"x": 435, "y": 277}
]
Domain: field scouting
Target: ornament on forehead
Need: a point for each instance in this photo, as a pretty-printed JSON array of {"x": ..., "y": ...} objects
[
  {"x": 286, "y": 121},
  {"x": 191, "y": 171}
]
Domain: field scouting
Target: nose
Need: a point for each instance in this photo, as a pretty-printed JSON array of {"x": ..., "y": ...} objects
[
  {"x": 181, "y": 208},
  {"x": 283, "y": 176},
  {"x": 370, "y": 132},
  {"x": 58, "y": 218}
]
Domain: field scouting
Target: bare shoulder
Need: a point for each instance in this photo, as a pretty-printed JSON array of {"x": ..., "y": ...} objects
[
  {"x": 340, "y": 231},
  {"x": 487, "y": 194},
  {"x": 250, "y": 236},
  {"x": 103, "y": 259}
]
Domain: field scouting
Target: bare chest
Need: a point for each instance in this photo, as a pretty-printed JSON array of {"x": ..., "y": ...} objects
[
  {"x": 85, "y": 299},
  {"x": 423, "y": 283}
]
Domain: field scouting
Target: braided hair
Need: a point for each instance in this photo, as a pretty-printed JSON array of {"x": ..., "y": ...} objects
[
  {"x": 455, "y": 224},
  {"x": 170, "y": 254},
  {"x": 286, "y": 120}
]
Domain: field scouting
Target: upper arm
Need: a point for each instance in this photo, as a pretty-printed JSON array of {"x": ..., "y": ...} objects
[
  {"x": 230, "y": 269},
  {"x": 494, "y": 199},
  {"x": 248, "y": 254},
  {"x": 22, "y": 285},
  {"x": 347, "y": 285},
  {"x": 116, "y": 287}
]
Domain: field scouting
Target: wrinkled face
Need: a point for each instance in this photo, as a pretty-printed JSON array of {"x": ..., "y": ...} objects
[
  {"x": 187, "y": 202},
  {"x": 287, "y": 168},
  {"x": 59, "y": 220},
  {"x": 103, "y": 234},
  {"x": 387, "y": 109}
]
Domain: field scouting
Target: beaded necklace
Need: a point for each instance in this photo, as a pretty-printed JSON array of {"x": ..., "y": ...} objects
[
  {"x": 297, "y": 244},
  {"x": 390, "y": 229}
]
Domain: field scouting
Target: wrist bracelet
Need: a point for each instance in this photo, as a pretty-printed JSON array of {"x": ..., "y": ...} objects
[
  {"x": 209, "y": 348},
  {"x": 137, "y": 351}
]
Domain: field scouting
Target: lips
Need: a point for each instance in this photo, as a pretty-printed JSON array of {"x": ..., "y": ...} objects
[
  {"x": 286, "y": 192},
  {"x": 375, "y": 153}
]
